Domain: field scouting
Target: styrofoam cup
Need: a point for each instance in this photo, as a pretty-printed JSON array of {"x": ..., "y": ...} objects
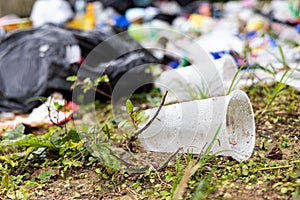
[
  {"x": 186, "y": 84},
  {"x": 193, "y": 125}
]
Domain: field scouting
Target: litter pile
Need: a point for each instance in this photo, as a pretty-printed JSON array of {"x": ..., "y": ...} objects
[{"x": 241, "y": 43}]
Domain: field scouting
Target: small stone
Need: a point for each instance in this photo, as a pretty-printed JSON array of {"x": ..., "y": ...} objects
[{"x": 227, "y": 196}]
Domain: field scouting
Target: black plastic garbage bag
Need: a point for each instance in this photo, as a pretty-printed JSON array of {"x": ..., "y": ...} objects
[
  {"x": 117, "y": 55},
  {"x": 120, "y": 6},
  {"x": 33, "y": 63},
  {"x": 184, "y": 2}
]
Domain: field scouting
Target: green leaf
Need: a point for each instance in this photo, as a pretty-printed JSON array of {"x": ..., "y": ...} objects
[
  {"x": 5, "y": 181},
  {"x": 45, "y": 176},
  {"x": 129, "y": 106},
  {"x": 72, "y": 78},
  {"x": 33, "y": 142},
  {"x": 28, "y": 152},
  {"x": 106, "y": 130},
  {"x": 282, "y": 56},
  {"x": 58, "y": 139},
  {"x": 77, "y": 195},
  {"x": 141, "y": 117},
  {"x": 245, "y": 170},
  {"x": 18, "y": 138},
  {"x": 134, "y": 117},
  {"x": 104, "y": 78},
  {"x": 37, "y": 98},
  {"x": 106, "y": 154},
  {"x": 211, "y": 144},
  {"x": 14, "y": 134},
  {"x": 74, "y": 136},
  {"x": 122, "y": 123},
  {"x": 8, "y": 160},
  {"x": 58, "y": 106}
]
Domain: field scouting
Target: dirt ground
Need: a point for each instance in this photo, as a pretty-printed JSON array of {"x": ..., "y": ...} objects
[{"x": 273, "y": 172}]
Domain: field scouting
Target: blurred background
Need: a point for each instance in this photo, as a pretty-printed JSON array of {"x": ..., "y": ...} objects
[{"x": 21, "y": 8}]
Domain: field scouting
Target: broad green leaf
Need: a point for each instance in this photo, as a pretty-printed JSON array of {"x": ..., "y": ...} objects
[
  {"x": 106, "y": 154},
  {"x": 14, "y": 134},
  {"x": 74, "y": 136},
  {"x": 58, "y": 139},
  {"x": 45, "y": 176},
  {"x": 34, "y": 142}
]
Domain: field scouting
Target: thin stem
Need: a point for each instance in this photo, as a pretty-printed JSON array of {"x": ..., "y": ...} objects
[{"x": 153, "y": 118}]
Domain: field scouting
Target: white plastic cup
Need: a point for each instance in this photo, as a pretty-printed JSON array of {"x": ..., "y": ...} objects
[
  {"x": 227, "y": 67},
  {"x": 193, "y": 125},
  {"x": 186, "y": 84}
]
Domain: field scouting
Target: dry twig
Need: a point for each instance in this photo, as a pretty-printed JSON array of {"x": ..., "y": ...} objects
[{"x": 153, "y": 118}]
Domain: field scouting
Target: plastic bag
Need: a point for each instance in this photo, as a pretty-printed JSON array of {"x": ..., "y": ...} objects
[
  {"x": 120, "y": 6},
  {"x": 53, "y": 11},
  {"x": 34, "y": 63},
  {"x": 116, "y": 57}
]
